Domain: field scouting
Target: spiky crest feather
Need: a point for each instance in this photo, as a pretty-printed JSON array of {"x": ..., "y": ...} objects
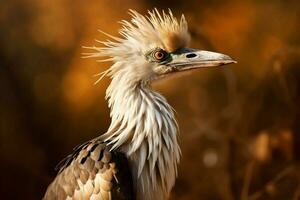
[{"x": 139, "y": 35}]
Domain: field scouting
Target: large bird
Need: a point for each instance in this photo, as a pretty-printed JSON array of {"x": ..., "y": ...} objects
[{"x": 137, "y": 157}]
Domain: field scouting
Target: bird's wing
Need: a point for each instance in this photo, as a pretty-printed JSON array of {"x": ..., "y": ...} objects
[{"x": 92, "y": 171}]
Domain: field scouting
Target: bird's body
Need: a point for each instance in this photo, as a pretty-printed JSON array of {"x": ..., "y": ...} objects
[
  {"x": 137, "y": 157},
  {"x": 148, "y": 143}
]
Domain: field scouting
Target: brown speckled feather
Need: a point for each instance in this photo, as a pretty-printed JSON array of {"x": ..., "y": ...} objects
[{"x": 92, "y": 172}]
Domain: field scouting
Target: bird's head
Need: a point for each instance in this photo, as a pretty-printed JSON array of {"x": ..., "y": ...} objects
[{"x": 152, "y": 47}]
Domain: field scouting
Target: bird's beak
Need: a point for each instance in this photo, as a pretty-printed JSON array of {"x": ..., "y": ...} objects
[{"x": 187, "y": 59}]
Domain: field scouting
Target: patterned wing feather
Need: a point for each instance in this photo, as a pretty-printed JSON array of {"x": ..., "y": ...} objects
[{"x": 93, "y": 172}]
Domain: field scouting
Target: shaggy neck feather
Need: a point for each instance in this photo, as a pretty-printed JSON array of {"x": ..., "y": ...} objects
[{"x": 144, "y": 128}]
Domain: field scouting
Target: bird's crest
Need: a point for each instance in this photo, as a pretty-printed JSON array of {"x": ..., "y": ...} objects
[{"x": 141, "y": 34}]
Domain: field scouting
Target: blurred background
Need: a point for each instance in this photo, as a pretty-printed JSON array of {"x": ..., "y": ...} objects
[{"x": 240, "y": 124}]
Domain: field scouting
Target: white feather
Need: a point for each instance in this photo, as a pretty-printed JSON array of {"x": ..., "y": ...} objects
[{"x": 143, "y": 123}]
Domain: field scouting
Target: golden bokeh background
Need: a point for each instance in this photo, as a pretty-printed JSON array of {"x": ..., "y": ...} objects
[{"x": 240, "y": 124}]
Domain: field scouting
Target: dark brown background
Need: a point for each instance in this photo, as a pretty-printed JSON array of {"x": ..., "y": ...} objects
[{"x": 240, "y": 124}]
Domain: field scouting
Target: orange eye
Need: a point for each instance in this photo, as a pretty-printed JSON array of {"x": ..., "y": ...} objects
[{"x": 160, "y": 55}]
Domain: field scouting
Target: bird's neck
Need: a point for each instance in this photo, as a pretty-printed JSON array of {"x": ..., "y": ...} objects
[{"x": 144, "y": 128}]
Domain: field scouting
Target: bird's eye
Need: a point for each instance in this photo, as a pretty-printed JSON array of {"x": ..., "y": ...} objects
[{"x": 160, "y": 55}]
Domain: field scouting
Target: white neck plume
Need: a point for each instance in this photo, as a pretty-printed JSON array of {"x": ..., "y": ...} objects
[{"x": 144, "y": 128}]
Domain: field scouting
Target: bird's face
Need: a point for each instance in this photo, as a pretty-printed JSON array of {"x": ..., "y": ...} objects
[
  {"x": 164, "y": 63},
  {"x": 153, "y": 47}
]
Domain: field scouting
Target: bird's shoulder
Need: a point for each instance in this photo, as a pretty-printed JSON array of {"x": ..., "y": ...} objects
[{"x": 92, "y": 171}]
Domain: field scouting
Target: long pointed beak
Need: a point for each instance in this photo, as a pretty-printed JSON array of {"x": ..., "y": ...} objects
[{"x": 188, "y": 59}]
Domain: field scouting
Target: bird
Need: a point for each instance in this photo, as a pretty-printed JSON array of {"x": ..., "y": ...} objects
[{"x": 137, "y": 158}]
